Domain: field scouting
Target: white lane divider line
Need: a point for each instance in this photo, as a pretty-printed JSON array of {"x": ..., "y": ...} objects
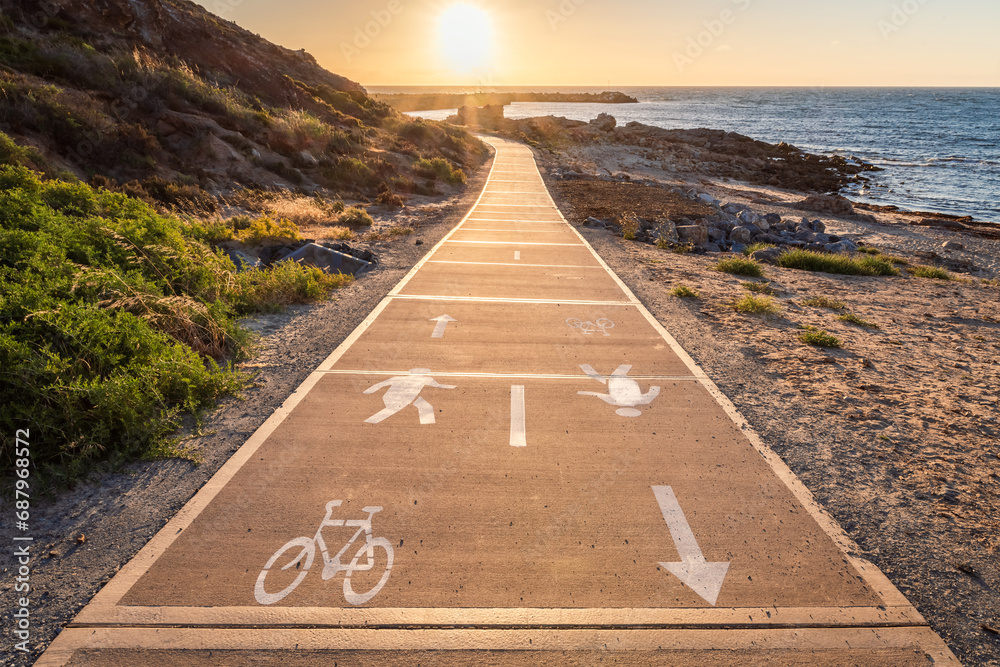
[
  {"x": 518, "y": 436},
  {"x": 442, "y": 324},
  {"x": 574, "y": 245},
  {"x": 517, "y": 255},
  {"x": 699, "y": 575}
]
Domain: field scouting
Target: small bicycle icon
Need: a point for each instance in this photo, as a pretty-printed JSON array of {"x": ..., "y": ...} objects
[
  {"x": 602, "y": 325},
  {"x": 331, "y": 566}
]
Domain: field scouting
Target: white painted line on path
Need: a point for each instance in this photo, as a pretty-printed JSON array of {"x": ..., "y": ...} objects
[
  {"x": 573, "y": 245},
  {"x": 517, "y": 254},
  {"x": 518, "y": 437},
  {"x": 503, "y": 376},
  {"x": 500, "y": 299}
]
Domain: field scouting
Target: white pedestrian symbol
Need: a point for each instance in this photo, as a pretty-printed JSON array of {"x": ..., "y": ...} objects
[
  {"x": 405, "y": 390},
  {"x": 602, "y": 325},
  {"x": 623, "y": 391}
]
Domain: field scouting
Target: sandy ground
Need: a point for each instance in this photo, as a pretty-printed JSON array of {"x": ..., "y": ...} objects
[
  {"x": 118, "y": 513},
  {"x": 897, "y": 432}
]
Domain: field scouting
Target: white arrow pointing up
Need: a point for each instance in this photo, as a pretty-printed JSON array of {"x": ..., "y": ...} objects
[
  {"x": 702, "y": 577},
  {"x": 442, "y": 324}
]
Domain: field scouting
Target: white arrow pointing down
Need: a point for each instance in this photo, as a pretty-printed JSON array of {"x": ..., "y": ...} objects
[{"x": 699, "y": 575}]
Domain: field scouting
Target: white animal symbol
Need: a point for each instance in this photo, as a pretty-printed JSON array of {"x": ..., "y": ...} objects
[
  {"x": 623, "y": 391},
  {"x": 405, "y": 390}
]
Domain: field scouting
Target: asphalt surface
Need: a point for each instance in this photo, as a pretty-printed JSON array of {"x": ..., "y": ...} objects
[{"x": 509, "y": 462}]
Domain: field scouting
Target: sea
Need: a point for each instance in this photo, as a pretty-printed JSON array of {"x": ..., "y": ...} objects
[{"x": 939, "y": 147}]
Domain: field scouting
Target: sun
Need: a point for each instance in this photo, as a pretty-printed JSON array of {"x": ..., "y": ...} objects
[{"x": 465, "y": 36}]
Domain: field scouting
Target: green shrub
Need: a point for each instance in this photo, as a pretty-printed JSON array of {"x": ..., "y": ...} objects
[
  {"x": 355, "y": 216},
  {"x": 851, "y": 318},
  {"x": 824, "y": 302},
  {"x": 759, "y": 288},
  {"x": 439, "y": 169},
  {"x": 740, "y": 266},
  {"x": 286, "y": 283},
  {"x": 818, "y": 338},
  {"x": 685, "y": 292},
  {"x": 932, "y": 272},
  {"x": 266, "y": 230},
  {"x": 807, "y": 260},
  {"x": 756, "y": 305},
  {"x": 115, "y": 322}
]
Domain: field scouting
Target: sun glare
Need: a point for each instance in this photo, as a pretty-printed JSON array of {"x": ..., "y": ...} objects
[{"x": 465, "y": 35}]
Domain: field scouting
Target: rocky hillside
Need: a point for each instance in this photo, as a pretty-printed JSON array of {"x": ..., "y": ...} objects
[{"x": 171, "y": 103}]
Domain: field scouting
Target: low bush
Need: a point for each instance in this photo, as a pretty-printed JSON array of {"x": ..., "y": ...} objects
[
  {"x": 267, "y": 230},
  {"x": 439, "y": 169},
  {"x": 818, "y": 338},
  {"x": 824, "y": 302},
  {"x": 932, "y": 272},
  {"x": 685, "y": 292},
  {"x": 115, "y": 322},
  {"x": 756, "y": 305},
  {"x": 740, "y": 266},
  {"x": 759, "y": 288},
  {"x": 851, "y": 318},
  {"x": 355, "y": 216},
  {"x": 807, "y": 260}
]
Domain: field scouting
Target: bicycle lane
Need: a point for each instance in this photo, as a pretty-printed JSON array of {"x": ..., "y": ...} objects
[{"x": 552, "y": 470}]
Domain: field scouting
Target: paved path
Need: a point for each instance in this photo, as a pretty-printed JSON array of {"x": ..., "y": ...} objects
[{"x": 510, "y": 462}]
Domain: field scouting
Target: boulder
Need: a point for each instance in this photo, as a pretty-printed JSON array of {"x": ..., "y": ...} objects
[
  {"x": 708, "y": 199},
  {"x": 242, "y": 260},
  {"x": 767, "y": 255},
  {"x": 831, "y": 204},
  {"x": 594, "y": 222},
  {"x": 328, "y": 260},
  {"x": 952, "y": 245},
  {"x": 696, "y": 234},
  {"x": 773, "y": 219},
  {"x": 738, "y": 248},
  {"x": 712, "y": 247},
  {"x": 748, "y": 217},
  {"x": 604, "y": 122},
  {"x": 668, "y": 231},
  {"x": 740, "y": 235},
  {"x": 841, "y": 247},
  {"x": 715, "y": 234}
]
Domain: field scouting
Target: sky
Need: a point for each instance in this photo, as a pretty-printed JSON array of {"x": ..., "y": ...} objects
[{"x": 483, "y": 43}]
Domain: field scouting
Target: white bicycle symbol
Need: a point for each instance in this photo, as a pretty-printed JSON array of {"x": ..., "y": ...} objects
[
  {"x": 588, "y": 328},
  {"x": 331, "y": 566}
]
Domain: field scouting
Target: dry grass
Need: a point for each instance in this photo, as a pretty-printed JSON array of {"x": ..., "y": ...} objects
[
  {"x": 932, "y": 272},
  {"x": 685, "y": 292},
  {"x": 740, "y": 266},
  {"x": 756, "y": 305}
]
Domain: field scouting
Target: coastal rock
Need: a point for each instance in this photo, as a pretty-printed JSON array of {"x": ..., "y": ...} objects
[
  {"x": 489, "y": 116},
  {"x": 696, "y": 234},
  {"x": 740, "y": 235},
  {"x": 767, "y": 255},
  {"x": 604, "y": 122},
  {"x": 708, "y": 199},
  {"x": 668, "y": 230},
  {"x": 952, "y": 245},
  {"x": 242, "y": 260},
  {"x": 748, "y": 217},
  {"x": 773, "y": 219},
  {"x": 594, "y": 222},
  {"x": 715, "y": 234},
  {"x": 831, "y": 204},
  {"x": 841, "y": 247},
  {"x": 712, "y": 247}
]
